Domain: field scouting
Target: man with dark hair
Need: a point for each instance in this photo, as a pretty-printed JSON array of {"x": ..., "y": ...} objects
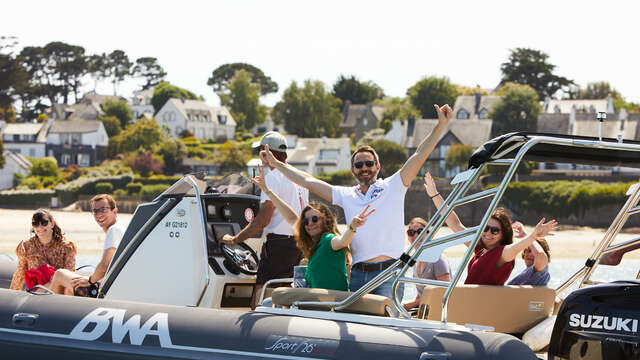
[
  {"x": 279, "y": 253},
  {"x": 379, "y": 243},
  {"x": 104, "y": 211}
]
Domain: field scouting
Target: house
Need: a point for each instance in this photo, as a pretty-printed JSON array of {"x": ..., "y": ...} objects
[
  {"x": 14, "y": 164},
  {"x": 553, "y": 106},
  {"x": 358, "y": 119},
  {"x": 141, "y": 104},
  {"x": 267, "y": 125},
  {"x": 80, "y": 142},
  {"x": 28, "y": 139},
  {"x": 320, "y": 155},
  {"x": 90, "y": 107},
  {"x": 474, "y": 107},
  {"x": 202, "y": 120},
  {"x": 190, "y": 165}
]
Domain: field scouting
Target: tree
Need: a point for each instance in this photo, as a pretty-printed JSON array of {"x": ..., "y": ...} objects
[
  {"x": 243, "y": 101},
  {"x": 429, "y": 91},
  {"x": 232, "y": 157},
  {"x": 172, "y": 151},
  {"x": 8, "y": 114},
  {"x": 145, "y": 133},
  {"x": 111, "y": 125},
  {"x": 165, "y": 91},
  {"x": 66, "y": 65},
  {"x": 146, "y": 163},
  {"x": 470, "y": 91},
  {"x": 517, "y": 110},
  {"x": 118, "y": 64},
  {"x": 392, "y": 156},
  {"x": 97, "y": 68},
  {"x": 46, "y": 166},
  {"x": 8, "y": 68},
  {"x": 149, "y": 69},
  {"x": 597, "y": 90},
  {"x": 457, "y": 156},
  {"x": 395, "y": 108},
  {"x": 120, "y": 109},
  {"x": 530, "y": 67},
  {"x": 352, "y": 90},
  {"x": 309, "y": 111},
  {"x": 221, "y": 77}
]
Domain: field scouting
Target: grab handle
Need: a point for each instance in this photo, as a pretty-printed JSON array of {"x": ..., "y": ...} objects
[{"x": 24, "y": 319}]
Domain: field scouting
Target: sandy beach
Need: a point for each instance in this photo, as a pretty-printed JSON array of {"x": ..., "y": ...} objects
[{"x": 82, "y": 229}]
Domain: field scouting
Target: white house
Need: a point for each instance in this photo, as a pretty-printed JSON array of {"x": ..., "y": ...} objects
[
  {"x": 80, "y": 142},
  {"x": 28, "y": 139},
  {"x": 202, "y": 120},
  {"x": 141, "y": 104},
  {"x": 320, "y": 155},
  {"x": 14, "y": 163},
  {"x": 555, "y": 106}
]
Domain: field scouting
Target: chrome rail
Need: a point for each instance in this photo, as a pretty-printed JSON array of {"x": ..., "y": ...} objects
[
  {"x": 203, "y": 223},
  {"x": 269, "y": 282}
]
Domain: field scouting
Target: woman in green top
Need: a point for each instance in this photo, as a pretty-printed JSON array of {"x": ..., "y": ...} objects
[{"x": 318, "y": 238}]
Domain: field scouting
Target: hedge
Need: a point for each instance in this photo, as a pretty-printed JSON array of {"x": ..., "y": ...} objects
[
  {"x": 104, "y": 188},
  {"x": 68, "y": 193},
  {"x": 26, "y": 198},
  {"x": 150, "y": 192},
  {"x": 134, "y": 188}
]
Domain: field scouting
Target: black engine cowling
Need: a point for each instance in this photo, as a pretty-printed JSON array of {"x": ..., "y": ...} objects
[{"x": 599, "y": 322}]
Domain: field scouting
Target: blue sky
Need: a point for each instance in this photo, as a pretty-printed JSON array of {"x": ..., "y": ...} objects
[{"x": 393, "y": 43}]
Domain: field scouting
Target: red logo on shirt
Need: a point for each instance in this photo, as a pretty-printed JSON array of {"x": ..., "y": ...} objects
[{"x": 248, "y": 214}]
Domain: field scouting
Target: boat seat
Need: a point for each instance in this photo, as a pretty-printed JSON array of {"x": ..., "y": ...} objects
[
  {"x": 369, "y": 304},
  {"x": 508, "y": 309}
]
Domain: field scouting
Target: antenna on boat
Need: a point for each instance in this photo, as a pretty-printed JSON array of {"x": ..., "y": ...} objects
[{"x": 601, "y": 116}]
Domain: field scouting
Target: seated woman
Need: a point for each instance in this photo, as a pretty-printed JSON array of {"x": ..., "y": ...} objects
[
  {"x": 43, "y": 253},
  {"x": 318, "y": 238},
  {"x": 495, "y": 253},
  {"x": 439, "y": 270},
  {"x": 536, "y": 257}
]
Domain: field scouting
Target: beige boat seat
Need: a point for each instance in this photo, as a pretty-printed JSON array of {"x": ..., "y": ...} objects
[
  {"x": 508, "y": 309},
  {"x": 369, "y": 304}
]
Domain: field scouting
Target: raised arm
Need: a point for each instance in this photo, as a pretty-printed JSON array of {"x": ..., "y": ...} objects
[
  {"x": 299, "y": 177},
  {"x": 410, "y": 169},
  {"x": 285, "y": 210},
  {"x": 542, "y": 229},
  {"x": 540, "y": 258},
  {"x": 342, "y": 241},
  {"x": 453, "y": 221}
]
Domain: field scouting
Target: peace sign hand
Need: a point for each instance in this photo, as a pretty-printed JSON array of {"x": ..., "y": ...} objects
[
  {"x": 359, "y": 220},
  {"x": 259, "y": 179}
]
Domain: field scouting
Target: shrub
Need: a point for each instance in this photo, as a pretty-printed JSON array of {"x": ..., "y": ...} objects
[
  {"x": 31, "y": 182},
  {"x": 343, "y": 177},
  {"x": 134, "y": 188},
  {"x": 26, "y": 198},
  {"x": 149, "y": 192},
  {"x": 120, "y": 193},
  {"x": 46, "y": 166},
  {"x": 104, "y": 188}
]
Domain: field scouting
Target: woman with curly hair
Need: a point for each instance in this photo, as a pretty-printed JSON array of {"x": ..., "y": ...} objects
[
  {"x": 43, "y": 253},
  {"x": 318, "y": 239}
]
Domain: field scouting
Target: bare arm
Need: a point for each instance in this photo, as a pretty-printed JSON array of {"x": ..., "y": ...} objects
[
  {"x": 17, "y": 282},
  {"x": 285, "y": 210},
  {"x": 299, "y": 177},
  {"x": 342, "y": 241},
  {"x": 255, "y": 227},
  {"x": 410, "y": 169},
  {"x": 542, "y": 229},
  {"x": 453, "y": 221},
  {"x": 540, "y": 259},
  {"x": 103, "y": 265}
]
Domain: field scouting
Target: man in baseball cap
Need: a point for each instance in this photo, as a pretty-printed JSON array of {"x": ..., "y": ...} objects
[{"x": 279, "y": 254}]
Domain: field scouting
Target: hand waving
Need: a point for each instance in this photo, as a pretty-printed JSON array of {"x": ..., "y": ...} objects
[
  {"x": 359, "y": 220},
  {"x": 543, "y": 229},
  {"x": 444, "y": 113},
  {"x": 518, "y": 230},
  {"x": 430, "y": 185}
]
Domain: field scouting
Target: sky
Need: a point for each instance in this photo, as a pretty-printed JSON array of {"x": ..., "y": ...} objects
[{"x": 392, "y": 43}]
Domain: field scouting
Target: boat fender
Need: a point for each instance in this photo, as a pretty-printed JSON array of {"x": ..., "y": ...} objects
[{"x": 539, "y": 336}]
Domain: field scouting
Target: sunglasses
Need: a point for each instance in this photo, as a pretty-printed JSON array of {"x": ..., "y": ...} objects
[
  {"x": 306, "y": 221},
  {"x": 360, "y": 164},
  {"x": 494, "y": 229},
  {"x": 42, "y": 222},
  {"x": 102, "y": 210},
  {"x": 412, "y": 232}
]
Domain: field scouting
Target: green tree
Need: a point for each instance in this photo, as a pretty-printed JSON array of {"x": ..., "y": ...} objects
[
  {"x": 8, "y": 69},
  {"x": 119, "y": 109},
  {"x": 221, "y": 77},
  {"x": 530, "y": 67},
  {"x": 395, "y": 108},
  {"x": 517, "y": 109},
  {"x": 111, "y": 125},
  {"x": 429, "y": 91},
  {"x": 119, "y": 67},
  {"x": 165, "y": 91},
  {"x": 352, "y": 90},
  {"x": 458, "y": 155},
  {"x": 470, "y": 91},
  {"x": 243, "y": 101},
  {"x": 309, "y": 111},
  {"x": 172, "y": 151},
  {"x": 145, "y": 133},
  {"x": 392, "y": 156},
  {"x": 46, "y": 166},
  {"x": 601, "y": 90},
  {"x": 232, "y": 156},
  {"x": 97, "y": 68},
  {"x": 149, "y": 69},
  {"x": 8, "y": 114},
  {"x": 67, "y": 65}
]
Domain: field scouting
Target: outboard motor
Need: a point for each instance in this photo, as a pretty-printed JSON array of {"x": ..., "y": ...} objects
[{"x": 599, "y": 322}]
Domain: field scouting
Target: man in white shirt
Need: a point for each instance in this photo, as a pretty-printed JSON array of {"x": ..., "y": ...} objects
[
  {"x": 279, "y": 254},
  {"x": 378, "y": 244},
  {"x": 104, "y": 211}
]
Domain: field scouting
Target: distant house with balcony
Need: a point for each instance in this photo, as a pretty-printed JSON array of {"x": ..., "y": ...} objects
[
  {"x": 14, "y": 164},
  {"x": 141, "y": 104},
  {"x": 357, "y": 119},
  {"x": 28, "y": 139},
  {"x": 202, "y": 120},
  {"x": 320, "y": 155},
  {"x": 79, "y": 142},
  {"x": 90, "y": 107}
]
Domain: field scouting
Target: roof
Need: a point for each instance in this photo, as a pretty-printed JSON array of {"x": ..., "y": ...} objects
[
  {"x": 586, "y": 124},
  {"x": 468, "y": 102},
  {"x": 353, "y": 112},
  {"x": 307, "y": 148},
  {"x": 565, "y": 106},
  {"x": 74, "y": 126},
  {"x": 470, "y": 132},
  {"x": 17, "y": 158},
  {"x": 197, "y": 106},
  {"x": 197, "y": 162},
  {"x": 22, "y": 129},
  {"x": 93, "y": 97}
]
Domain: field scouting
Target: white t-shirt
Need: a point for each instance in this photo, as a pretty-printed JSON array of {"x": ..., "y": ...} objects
[
  {"x": 383, "y": 234},
  {"x": 295, "y": 196},
  {"x": 114, "y": 235}
]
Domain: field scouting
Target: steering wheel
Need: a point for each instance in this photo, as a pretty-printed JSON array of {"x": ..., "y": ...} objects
[{"x": 240, "y": 258}]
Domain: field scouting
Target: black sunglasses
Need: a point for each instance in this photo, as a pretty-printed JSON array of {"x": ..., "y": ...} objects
[
  {"x": 494, "y": 229},
  {"x": 305, "y": 221},
  {"x": 412, "y": 232},
  {"x": 360, "y": 164},
  {"x": 43, "y": 222}
]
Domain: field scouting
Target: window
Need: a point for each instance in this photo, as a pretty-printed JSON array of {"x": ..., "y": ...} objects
[
  {"x": 76, "y": 139},
  {"x": 483, "y": 114},
  {"x": 190, "y": 117},
  {"x": 556, "y": 109},
  {"x": 84, "y": 160},
  {"x": 65, "y": 139},
  {"x": 222, "y": 119},
  {"x": 462, "y": 114},
  {"x": 166, "y": 117},
  {"x": 65, "y": 159},
  {"x": 211, "y": 134},
  {"x": 365, "y": 121},
  {"x": 32, "y": 152},
  {"x": 328, "y": 154},
  {"x": 205, "y": 117}
]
